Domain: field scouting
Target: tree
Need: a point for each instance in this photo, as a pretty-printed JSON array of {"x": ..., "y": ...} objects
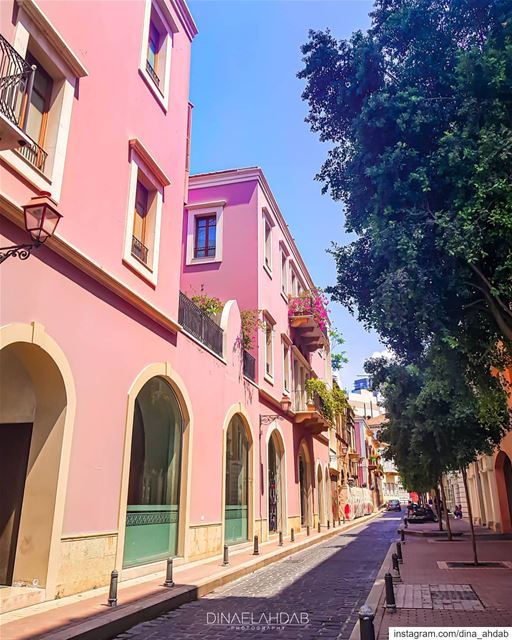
[
  {"x": 437, "y": 420},
  {"x": 419, "y": 113}
]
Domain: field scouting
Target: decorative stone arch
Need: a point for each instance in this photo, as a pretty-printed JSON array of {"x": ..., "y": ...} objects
[
  {"x": 165, "y": 371},
  {"x": 238, "y": 409},
  {"x": 503, "y": 474},
  {"x": 328, "y": 496},
  {"x": 275, "y": 433},
  {"x": 320, "y": 491},
  {"x": 303, "y": 451},
  {"x": 48, "y": 402}
]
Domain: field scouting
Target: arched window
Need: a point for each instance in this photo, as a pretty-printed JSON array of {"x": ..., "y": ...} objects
[
  {"x": 155, "y": 468},
  {"x": 237, "y": 482}
]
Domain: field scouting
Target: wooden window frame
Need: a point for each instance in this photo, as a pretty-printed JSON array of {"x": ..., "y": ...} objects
[
  {"x": 208, "y": 219},
  {"x": 32, "y": 60}
]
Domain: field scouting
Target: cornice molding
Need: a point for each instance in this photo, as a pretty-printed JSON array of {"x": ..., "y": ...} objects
[
  {"x": 14, "y": 213},
  {"x": 53, "y": 36},
  {"x": 181, "y": 8},
  {"x": 136, "y": 145}
]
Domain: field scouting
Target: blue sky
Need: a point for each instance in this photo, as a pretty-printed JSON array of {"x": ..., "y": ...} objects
[{"x": 248, "y": 111}]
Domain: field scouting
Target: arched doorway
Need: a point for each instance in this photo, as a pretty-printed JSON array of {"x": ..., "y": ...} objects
[
  {"x": 276, "y": 484},
  {"x": 328, "y": 497},
  {"x": 152, "y": 514},
  {"x": 36, "y": 422},
  {"x": 236, "y": 509},
  {"x": 503, "y": 470},
  {"x": 320, "y": 495},
  {"x": 305, "y": 491}
]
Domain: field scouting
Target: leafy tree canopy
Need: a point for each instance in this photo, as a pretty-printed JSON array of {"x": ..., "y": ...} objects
[{"x": 418, "y": 112}]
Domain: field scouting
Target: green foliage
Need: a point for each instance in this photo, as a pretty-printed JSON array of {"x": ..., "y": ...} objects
[
  {"x": 437, "y": 422},
  {"x": 250, "y": 323},
  {"x": 337, "y": 340},
  {"x": 419, "y": 114},
  {"x": 207, "y": 304},
  {"x": 333, "y": 401}
]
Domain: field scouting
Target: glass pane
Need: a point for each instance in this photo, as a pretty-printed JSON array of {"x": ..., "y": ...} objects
[
  {"x": 212, "y": 236},
  {"x": 154, "y": 483},
  {"x": 34, "y": 122},
  {"x": 237, "y": 476}
]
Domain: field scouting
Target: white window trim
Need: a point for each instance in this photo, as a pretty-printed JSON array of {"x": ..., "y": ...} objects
[
  {"x": 286, "y": 345},
  {"x": 162, "y": 95},
  {"x": 283, "y": 253},
  {"x": 266, "y": 219},
  {"x": 148, "y": 272},
  {"x": 199, "y": 210},
  {"x": 269, "y": 377},
  {"x": 32, "y": 23}
]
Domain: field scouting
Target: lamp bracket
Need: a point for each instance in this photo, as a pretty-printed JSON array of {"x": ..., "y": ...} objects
[{"x": 21, "y": 251}]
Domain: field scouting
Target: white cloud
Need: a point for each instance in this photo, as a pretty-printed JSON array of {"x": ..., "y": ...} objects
[{"x": 386, "y": 353}]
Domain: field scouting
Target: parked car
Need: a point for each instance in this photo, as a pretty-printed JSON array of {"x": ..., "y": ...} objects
[
  {"x": 422, "y": 514},
  {"x": 394, "y": 505}
]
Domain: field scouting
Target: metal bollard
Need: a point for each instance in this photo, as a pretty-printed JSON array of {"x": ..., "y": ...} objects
[
  {"x": 328, "y": 524},
  {"x": 399, "y": 552},
  {"x": 366, "y": 629},
  {"x": 256, "y": 551},
  {"x": 402, "y": 535},
  {"x": 292, "y": 535},
  {"x": 339, "y": 522},
  {"x": 394, "y": 560},
  {"x": 319, "y": 526},
  {"x": 225, "y": 559},
  {"x": 308, "y": 530},
  {"x": 406, "y": 523},
  {"x": 280, "y": 538},
  {"x": 169, "y": 582},
  {"x": 112, "y": 593},
  {"x": 390, "y": 592}
]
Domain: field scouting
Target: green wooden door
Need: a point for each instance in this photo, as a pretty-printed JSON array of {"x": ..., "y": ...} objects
[{"x": 152, "y": 513}]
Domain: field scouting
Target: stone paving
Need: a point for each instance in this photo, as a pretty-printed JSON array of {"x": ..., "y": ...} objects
[{"x": 316, "y": 592}]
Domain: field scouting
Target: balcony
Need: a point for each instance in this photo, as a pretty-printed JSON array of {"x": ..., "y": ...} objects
[
  {"x": 333, "y": 461},
  {"x": 249, "y": 366},
  {"x": 308, "y": 319},
  {"x": 16, "y": 80},
  {"x": 308, "y": 411},
  {"x": 139, "y": 250},
  {"x": 199, "y": 325},
  {"x": 152, "y": 74}
]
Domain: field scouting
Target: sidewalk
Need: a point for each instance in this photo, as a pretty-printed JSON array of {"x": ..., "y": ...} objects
[
  {"x": 430, "y": 595},
  {"x": 87, "y": 616}
]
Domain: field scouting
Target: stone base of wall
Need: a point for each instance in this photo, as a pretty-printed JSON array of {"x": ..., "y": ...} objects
[
  {"x": 293, "y": 523},
  {"x": 204, "y": 540},
  {"x": 85, "y": 563}
]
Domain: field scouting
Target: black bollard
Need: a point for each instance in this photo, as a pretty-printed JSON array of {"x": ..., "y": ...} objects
[
  {"x": 366, "y": 629},
  {"x": 399, "y": 552},
  {"x": 225, "y": 559},
  {"x": 402, "y": 535},
  {"x": 390, "y": 592},
  {"x": 328, "y": 524},
  {"x": 169, "y": 582},
  {"x": 112, "y": 593},
  {"x": 394, "y": 560},
  {"x": 256, "y": 551},
  {"x": 292, "y": 535},
  {"x": 406, "y": 523},
  {"x": 308, "y": 530},
  {"x": 339, "y": 522},
  {"x": 319, "y": 526},
  {"x": 280, "y": 538}
]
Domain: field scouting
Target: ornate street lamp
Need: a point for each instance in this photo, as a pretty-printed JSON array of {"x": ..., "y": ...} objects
[
  {"x": 41, "y": 220},
  {"x": 286, "y": 403}
]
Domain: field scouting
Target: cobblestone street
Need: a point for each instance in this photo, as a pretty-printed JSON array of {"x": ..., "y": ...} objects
[{"x": 326, "y": 584}]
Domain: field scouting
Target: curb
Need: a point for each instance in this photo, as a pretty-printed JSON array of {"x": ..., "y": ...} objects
[
  {"x": 376, "y": 593},
  {"x": 105, "y": 625}
]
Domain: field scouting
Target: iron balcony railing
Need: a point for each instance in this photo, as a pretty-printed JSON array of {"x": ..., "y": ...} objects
[
  {"x": 301, "y": 399},
  {"x": 139, "y": 250},
  {"x": 249, "y": 366},
  {"x": 199, "y": 325},
  {"x": 16, "y": 81},
  {"x": 152, "y": 73},
  {"x": 35, "y": 155}
]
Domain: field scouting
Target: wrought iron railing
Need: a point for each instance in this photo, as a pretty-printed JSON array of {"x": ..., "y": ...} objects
[
  {"x": 152, "y": 73},
  {"x": 199, "y": 325},
  {"x": 139, "y": 250},
  {"x": 301, "y": 400},
  {"x": 35, "y": 154},
  {"x": 16, "y": 79},
  {"x": 249, "y": 366}
]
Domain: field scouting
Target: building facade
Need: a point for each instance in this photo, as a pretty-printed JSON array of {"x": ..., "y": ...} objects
[{"x": 141, "y": 426}]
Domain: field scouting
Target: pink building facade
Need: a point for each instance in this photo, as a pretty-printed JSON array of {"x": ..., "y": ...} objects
[{"x": 134, "y": 427}]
